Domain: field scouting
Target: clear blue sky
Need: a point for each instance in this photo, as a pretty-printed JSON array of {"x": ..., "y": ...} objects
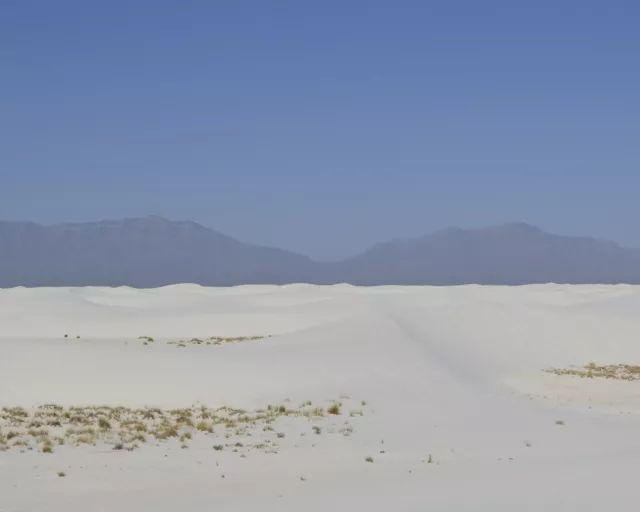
[{"x": 323, "y": 126}]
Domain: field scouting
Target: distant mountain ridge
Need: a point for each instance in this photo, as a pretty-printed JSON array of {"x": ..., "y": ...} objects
[{"x": 153, "y": 251}]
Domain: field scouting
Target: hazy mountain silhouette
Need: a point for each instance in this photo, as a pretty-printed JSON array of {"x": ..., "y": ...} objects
[
  {"x": 153, "y": 252},
  {"x": 508, "y": 254},
  {"x": 145, "y": 252}
]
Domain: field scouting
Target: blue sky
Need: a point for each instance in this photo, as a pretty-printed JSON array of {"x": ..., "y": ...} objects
[{"x": 326, "y": 126}]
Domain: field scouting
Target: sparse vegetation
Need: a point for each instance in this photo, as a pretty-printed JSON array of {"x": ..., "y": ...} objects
[
  {"x": 369, "y": 458},
  {"x": 122, "y": 428},
  {"x": 593, "y": 371},
  {"x": 212, "y": 341}
]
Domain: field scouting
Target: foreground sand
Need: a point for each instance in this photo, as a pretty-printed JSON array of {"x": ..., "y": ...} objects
[{"x": 442, "y": 388}]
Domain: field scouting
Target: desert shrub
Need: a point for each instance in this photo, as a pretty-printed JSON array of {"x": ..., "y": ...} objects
[{"x": 334, "y": 409}]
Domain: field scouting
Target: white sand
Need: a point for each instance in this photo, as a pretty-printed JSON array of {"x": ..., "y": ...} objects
[{"x": 452, "y": 372}]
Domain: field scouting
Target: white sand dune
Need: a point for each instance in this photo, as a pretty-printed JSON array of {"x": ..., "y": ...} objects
[{"x": 452, "y": 375}]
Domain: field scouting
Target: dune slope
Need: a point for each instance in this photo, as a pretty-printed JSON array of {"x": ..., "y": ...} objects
[{"x": 444, "y": 404}]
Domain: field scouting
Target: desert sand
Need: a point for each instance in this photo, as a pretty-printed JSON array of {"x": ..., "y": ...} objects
[{"x": 443, "y": 401}]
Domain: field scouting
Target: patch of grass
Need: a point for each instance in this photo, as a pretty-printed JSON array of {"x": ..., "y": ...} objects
[
  {"x": 61, "y": 474},
  {"x": 218, "y": 447},
  {"x": 593, "y": 371},
  {"x": 203, "y": 426},
  {"x": 122, "y": 427},
  {"x": 165, "y": 431}
]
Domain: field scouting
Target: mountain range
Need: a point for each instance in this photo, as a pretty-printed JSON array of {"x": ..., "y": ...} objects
[{"x": 152, "y": 251}]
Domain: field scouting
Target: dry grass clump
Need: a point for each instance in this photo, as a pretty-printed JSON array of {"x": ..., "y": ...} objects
[
  {"x": 593, "y": 371},
  {"x": 334, "y": 409},
  {"x": 203, "y": 426},
  {"x": 165, "y": 431}
]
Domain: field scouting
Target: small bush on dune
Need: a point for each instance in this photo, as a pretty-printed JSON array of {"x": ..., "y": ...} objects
[{"x": 334, "y": 409}]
